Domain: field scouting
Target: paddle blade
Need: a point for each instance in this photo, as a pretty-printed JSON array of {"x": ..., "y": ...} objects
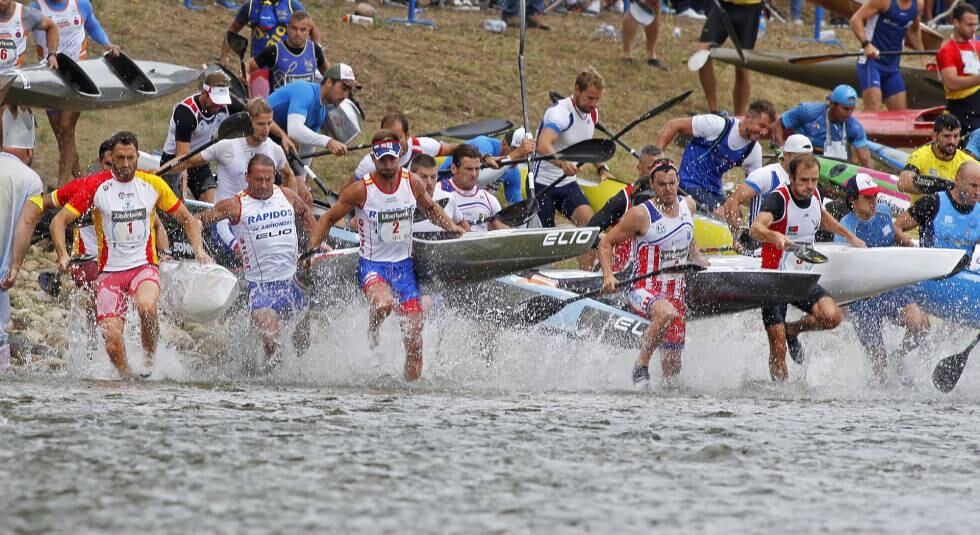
[
  {"x": 949, "y": 370},
  {"x": 555, "y": 96},
  {"x": 235, "y": 126},
  {"x": 588, "y": 151},
  {"x": 519, "y": 213},
  {"x": 810, "y": 255},
  {"x": 489, "y": 127},
  {"x": 536, "y": 309},
  {"x": 237, "y": 43}
]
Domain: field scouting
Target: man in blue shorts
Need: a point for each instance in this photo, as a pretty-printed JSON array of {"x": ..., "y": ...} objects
[
  {"x": 831, "y": 127},
  {"x": 881, "y": 26}
]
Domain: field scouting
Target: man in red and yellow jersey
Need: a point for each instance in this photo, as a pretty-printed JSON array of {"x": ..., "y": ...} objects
[
  {"x": 959, "y": 67},
  {"x": 124, "y": 203}
]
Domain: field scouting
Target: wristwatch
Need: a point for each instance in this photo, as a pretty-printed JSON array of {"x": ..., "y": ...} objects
[{"x": 865, "y": 43}]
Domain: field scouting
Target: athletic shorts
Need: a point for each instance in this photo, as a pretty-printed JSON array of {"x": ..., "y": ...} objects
[
  {"x": 199, "y": 179},
  {"x": 776, "y": 314},
  {"x": 113, "y": 288},
  {"x": 868, "y": 315},
  {"x": 85, "y": 273},
  {"x": 745, "y": 20},
  {"x": 869, "y": 76},
  {"x": 641, "y": 299},
  {"x": 399, "y": 276},
  {"x": 706, "y": 197},
  {"x": 564, "y": 198},
  {"x": 283, "y": 296}
]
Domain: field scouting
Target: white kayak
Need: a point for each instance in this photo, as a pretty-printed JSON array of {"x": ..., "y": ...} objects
[
  {"x": 853, "y": 274},
  {"x": 201, "y": 293}
]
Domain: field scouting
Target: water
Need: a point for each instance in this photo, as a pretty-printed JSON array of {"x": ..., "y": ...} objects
[{"x": 550, "y": 438}]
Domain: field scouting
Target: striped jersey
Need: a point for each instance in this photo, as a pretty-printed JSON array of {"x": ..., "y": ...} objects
[{"x": 666, "y": 243}]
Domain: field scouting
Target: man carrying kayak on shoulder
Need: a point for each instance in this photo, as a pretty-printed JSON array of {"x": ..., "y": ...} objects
[
  {"x": 662, "y": 229},
  {"x": 718, "y": 144},
  {"x": 959, "y": 67},
  {"x": 871, "y": 221},
  {"x": 949, "y": 219},
  {"x": 830, "y": 127},
  {"x": 881, "y": 26},
  {"x": 758, "y": 185},
  {"x": 939, "y": 159},
  {"x": 384, "y": 204},
  {"x": 789, "y": 218}
]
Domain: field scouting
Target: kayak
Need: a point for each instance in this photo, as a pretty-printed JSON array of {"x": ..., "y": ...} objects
[
  {"x": 835, "y": 173},
  {"x": 924, "y": 88},
  {"x": 956, "y": 299},
  {"x": 467, "y": 259},
  {"x": 900, "y": 128},
  {"x": 845, "y": 8},
  {"x": 106, "y": 82},
  {"x": 853, "y": 274},
  {"x": 202, "y": 293},
  {"x": 894, "y": 159}
]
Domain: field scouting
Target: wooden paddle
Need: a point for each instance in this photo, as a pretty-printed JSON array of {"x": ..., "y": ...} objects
[
  {"x": 949, "y": 369},
  {"x": 541, "y": 307},
  {"x": 237, "y": 125},
  {"x": 809, "y": 60}
]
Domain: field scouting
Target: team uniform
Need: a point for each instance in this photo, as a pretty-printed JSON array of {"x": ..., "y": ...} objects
[
  {"x": 764, "y": 181},
  {"x": 945, "y": 223},
  {"x": 744, "y": 15},
  {"x": 610, "y": 214},
  {"x": 799, "y": 221},
  {"x": 924, "y": 161},
  {"x": 416, "y": 146},
  {"x": 886, "y": 30},
  {"x": 811, "y": 119},
  {"x": 300, "y": 99},
  {"x": 666, "y": 243},
  {"x": 287, "y": 64},
  {"x": 509, "y": 176},
  {"x": 123, "y": 215},
  {"x": 963, "y": 103},
  {"x": 267, "y": 234},
  {"x": 18, "y": 123},
  {"x": 714, "y": 150},
  {"x": 76, "y": 22},
  {"x": 384, "y": 224},
  {"x": 192, "y": 123},
  {"x": 268, "y": 20},
  {"x": 477, "y": 205},
  {"x": 84, "y": 238},
  {"x": 447, "y": 201},
  {"x": 572, "y": 126}
]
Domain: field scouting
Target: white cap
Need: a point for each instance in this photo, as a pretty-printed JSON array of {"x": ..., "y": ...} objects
[
  {"x": 219, "y": 94},
  {"x": 798, "y": 144},
  {"x": 517, "y": 137}
]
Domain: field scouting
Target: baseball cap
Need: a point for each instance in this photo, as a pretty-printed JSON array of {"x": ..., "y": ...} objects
[
  {"x": 844, "y": 95},
  {"x": 386, "y": 148},
  {"x": 517, "y": 137},
  {"x": 342, "y": 71},
  {"x": 798, "y": 144},
  {"x": 862, "y": 184},
  {"x": 219, "y": 94}
]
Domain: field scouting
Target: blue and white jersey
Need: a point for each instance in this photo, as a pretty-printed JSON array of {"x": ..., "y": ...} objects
[
  {"x": 477, "y": 204},
  {"x": 810, "y": 119},
  {"x": 572, "y": 126},
  {"x": 764, "y": 181},
  {"x": 294, "y": 67},
  {"x": 879, "y": 231},
  {"x": 666, "y": 243},
  {"x": 951, "y": 228},
  {"x": 705, "y": 162},
  {"x": 266, "y": 233},
  {"x": 886, "y": 31}
]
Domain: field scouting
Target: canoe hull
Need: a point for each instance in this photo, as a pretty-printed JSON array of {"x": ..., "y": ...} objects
[
  {"x": 955, "y": 299},
  {"x": 900, "y": 128},
  {"x": 835, "y": 174}
]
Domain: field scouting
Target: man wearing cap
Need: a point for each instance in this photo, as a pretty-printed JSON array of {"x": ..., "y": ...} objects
[
  {"x": 384, "y": 203},
  {"x": 412, "y": 146},
  {"x": 759, "y": 184},
  {"x": 882, "y": 26},
  {"x": 295, "y": 58},
  {"x": 193, "y": 123},
  {"x": 959, "y": 67},
  {"x": 642, "y": 13},
  {"x": 513, "y": 147},
  {"x": 933, "y": 167},
  {"x": 871, "y": 221},
  {"x": 831, "y": 127}
]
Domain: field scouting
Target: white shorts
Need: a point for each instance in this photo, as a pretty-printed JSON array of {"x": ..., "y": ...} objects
[{"x": 18, "y": 130}]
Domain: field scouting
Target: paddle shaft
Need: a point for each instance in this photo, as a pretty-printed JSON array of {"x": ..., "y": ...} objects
[
  {"x": 949, "y": 370},
  {"x": 177, "y": 161},
  {"x": 316, "y": 180},
  {"x": 726, "y": 21},
  {"x": 453, "y": 131}
]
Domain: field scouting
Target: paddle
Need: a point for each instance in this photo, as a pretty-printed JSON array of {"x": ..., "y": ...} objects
[
  {"x": 809, "y": 60},
  {"x": 237, "y": 125},
  {"x": 523, "y": 78},
  {"x": 542, "y": 307},
  {"x": 238, "y": 45},
  {"x": 327, "y": 192},
  {"x": 726, "y": 21},
  {"x": 931, "y": 184},
  {"x": 808, "y": 254},
  {"x": 587, "y": 151},
  {"x": 949, "y": 369},
  {"x": 487, "y": 127}
]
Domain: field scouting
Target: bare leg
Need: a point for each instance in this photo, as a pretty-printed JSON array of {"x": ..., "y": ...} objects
[
  {"x": 267, "y": 320},
  {"x": 629, "y": 34},
  {"x": 112, "y": 333},
  {"x": 898, "y": 101},
  {"x": 411, "y": 324},
  {"x": 777, "y": 352},
  {"x": 872, "y": 99},
  {"x": 63, "y": 125},
  {"x": 742, "y": 91},
  {"x": 708, "y": 81},
  {"x": 652, "y": 32},
  {"x": 662, "y": 313},
  {"x": 581, "y": 216},
  {"x": 382, "y": 302},
  {"x": 301, "y": 336},
  {"x": 824, "y": 316},
  {"x": 147, "y": 294}
]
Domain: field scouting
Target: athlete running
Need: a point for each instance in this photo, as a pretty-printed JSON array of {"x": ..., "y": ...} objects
[
  {"x": 295, "y": 58},
  {"x": 477, "y": 205},
  {"x": 941, "y": 159},
  {"x": 265, "y": 219},
  {"x": 411, "y": 146},
  {"x": 881, "y": 26},
  {"x": 125, "y": 202},
  {"x": 384, "y": 204},
  {"x": 662, "y": 230},
  {"x": 426, "y": 168},
  {"x": 790, "y": 216}
]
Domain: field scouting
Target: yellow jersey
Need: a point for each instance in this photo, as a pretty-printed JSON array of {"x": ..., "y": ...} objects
[{"x": 925, "y": 161}]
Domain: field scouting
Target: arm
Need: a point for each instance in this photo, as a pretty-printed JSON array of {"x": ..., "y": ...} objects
[
  {"x": 322, "y": 64},
  {"x": 672, "y": 129},
  {"x": 901, "y": 238},
  {"x": 351, "y": 197},
  {"x": 905, "y": 222},
  {"x": 733, "y": 207},
  {"x": 433, "y": 211},
  {"x": 628, "y": 227},
  {"x": 778, "y": 135},
  {"x": 859, "y": 19},
  {"x": 29, "y": 217},
  {"x": 830, "y": 224},
  {"x": 58, "y": 225},
  {"x": 296, "y": 126},
  {"x": 251, "y": 66},
  {"x": 53, "y": 40},
  {"x": 914, "y": 34},
  {"x": 304, "y": 215},
  {"x": 546, "y": 145},
  {"x": 863, "y": 157},
  {"x": 694, "y": 254},
  {"x": 955, "y": 82},
  {"x": 496, "y": 224},
  {"x": 315, "y": 34},
  {"x": 287, "y": 144},
  {"x": 293, "y": 183},
  {"x": 192, "y": 227},
  {"x": 193, "y": 161},
  {"x": 160, "y": 236},
  {"x": 94, "y": 28},
  {"x": 228, "y": 209}
]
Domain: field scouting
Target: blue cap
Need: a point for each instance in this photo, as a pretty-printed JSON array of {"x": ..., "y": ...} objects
[
  {"x": 386, "y": 148},
  {"x": 844, "y": 95}
]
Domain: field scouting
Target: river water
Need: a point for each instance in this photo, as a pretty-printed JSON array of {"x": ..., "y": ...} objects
[{"x": 550, "y": 438}]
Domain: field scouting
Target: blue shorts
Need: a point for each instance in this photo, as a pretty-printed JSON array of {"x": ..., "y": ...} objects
[
  {"x": 870, "y": 76},
  {"x": 706, "y": 197},
  {"x": 869, "y": 314},
  {"x": 399, "y": 276},
  {"x": 284, "y": 297},
  {"x": 565, "y": 198}
]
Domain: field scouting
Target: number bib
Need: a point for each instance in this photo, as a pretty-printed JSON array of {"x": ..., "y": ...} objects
[
  {"x": 129, "y": 227},
  {"x": 970, "y": 63},
  {"x": 395, "y": 226},
  {"x": 8, "y": 53}
]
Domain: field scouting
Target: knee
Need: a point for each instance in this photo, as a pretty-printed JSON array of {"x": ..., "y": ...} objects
[
  {"x": 916, "y": 319},
  {"x": 829, "y": 315},
  {"x": 664, "y": 310},
  {"x": 147, "y": 309}
]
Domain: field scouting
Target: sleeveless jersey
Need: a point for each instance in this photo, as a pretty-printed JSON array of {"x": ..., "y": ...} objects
[
  {"x": 572, "y": 126},
  {"x": 268, "y": 19},
  {"x": 952, "y": 229},
  {"x": 705, "y": 162},
  {"x": 666, "y": 243},
  {"x": 799, "y": 225},
  {"x": 207, "y": 126},
  {"x": 764, "y": 181},
  {"x": 886, "y": 31},
  {"x": 13, "y": 39},
  {"x": 72, "y": 39},
  {"x": 232, "y": 156},
  {"x": 476, "y": 205},
  {"x": 266, "y": 232},
  {"x": 623, "y": 251},
  {"x": 384, "y": 221},
  {"x": 291, "y": 67}
]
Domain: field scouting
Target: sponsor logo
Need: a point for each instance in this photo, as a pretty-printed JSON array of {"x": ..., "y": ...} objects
[
  {"x": 567, "y": 237},
  {"x": 794, "y": 228},
  {"x": 125, "y": 216},
  {"x": 396, "y": 215},
  {"x": 273, "y": 234},
  {"x": 274, "y": 214},
  {"x": 631, "y": 326}
]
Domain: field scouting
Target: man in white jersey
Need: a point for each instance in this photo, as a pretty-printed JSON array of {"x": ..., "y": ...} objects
[
  {"x": 759, "y": 184},
  {"x": 567, "y": 122},
  {"x": 16, "y": 22},
  {"x": 662, "y": 229},
  {"x": 18, "y": 183},
  {"x": 426, "y": 168},
  {"x": 411, "y": 146},
  {"x": 477, "y": 205},
  {"x": 791, "y": 215},
  {"x": 125, "y": 202},
  {"x": 384, "y": 204},
  {"x": 264, "y": 219}
]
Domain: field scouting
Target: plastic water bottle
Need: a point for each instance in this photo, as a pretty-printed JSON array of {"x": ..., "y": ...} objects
[
  {"x": 494, "y": 25},
  {"x": 357, "y": 19},
  {"x": 677, "y": 32},
  {"x": 762, "y": 26},
  {"x": 608, "y": 30}
]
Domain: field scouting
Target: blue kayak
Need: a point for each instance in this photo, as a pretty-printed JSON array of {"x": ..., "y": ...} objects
[{"x": 956, "y": 299}]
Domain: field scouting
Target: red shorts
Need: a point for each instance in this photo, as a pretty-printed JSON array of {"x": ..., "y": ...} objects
[
  {"x": 85, "y": 274},
  {"x": 641, "y": 299},
  {"x": 113, "y": 288}
]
